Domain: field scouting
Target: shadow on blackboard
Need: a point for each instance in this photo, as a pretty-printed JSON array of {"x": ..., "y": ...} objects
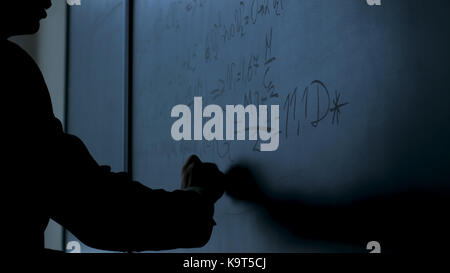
[{"x": 414, "y": 221}]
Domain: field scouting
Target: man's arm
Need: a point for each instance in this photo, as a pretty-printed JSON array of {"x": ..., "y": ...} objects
[
  {"x": 109, "y": 211},
  {"x": 56, "y": 177}
]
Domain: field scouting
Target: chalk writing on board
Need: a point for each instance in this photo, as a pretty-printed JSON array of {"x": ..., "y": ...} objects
[
  {"x": 253, "y": 75},
  {"x": 192, "y": 5},
  {"x": 248, "y": 13},
  {"x": 336, "y": 109},
  {"x": 317, "y": 105},
  {"x": 237, "y": 75},
  {"x": 269, "y": 85},
  {"x": 290, "y": 106}
]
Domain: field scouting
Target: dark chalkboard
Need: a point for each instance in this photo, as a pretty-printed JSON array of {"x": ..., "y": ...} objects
[{"x": 362, "y": 90}]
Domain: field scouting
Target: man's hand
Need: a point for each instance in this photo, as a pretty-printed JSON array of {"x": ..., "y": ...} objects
[{"x": 203, "y": 177}]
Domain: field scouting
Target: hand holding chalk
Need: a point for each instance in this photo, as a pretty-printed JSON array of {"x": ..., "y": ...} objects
[{"x": 204, "y": 178}]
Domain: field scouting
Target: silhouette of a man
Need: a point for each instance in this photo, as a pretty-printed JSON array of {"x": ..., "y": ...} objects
[{"x": 50, "y": 174}]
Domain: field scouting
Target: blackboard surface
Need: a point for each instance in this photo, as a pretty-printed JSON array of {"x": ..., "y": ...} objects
[
  {"x": 363, "y": 97},
  {"x": 362, "y": 91}
]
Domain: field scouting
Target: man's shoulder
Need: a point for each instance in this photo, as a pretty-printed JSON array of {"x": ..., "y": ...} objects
[
  {"x": 11, "y": 49},
  {"x": 13, "y": 54},
  {"x": 22, "y": 79},
  {"x": 19, "y": 65},
  {"x": 9, "y": 43}
]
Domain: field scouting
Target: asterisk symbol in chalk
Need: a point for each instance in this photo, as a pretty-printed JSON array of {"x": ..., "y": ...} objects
[{"x": 336, "y": 110}]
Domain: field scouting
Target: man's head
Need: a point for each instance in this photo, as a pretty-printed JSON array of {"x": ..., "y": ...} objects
[{"x": 19, "y": 17}]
